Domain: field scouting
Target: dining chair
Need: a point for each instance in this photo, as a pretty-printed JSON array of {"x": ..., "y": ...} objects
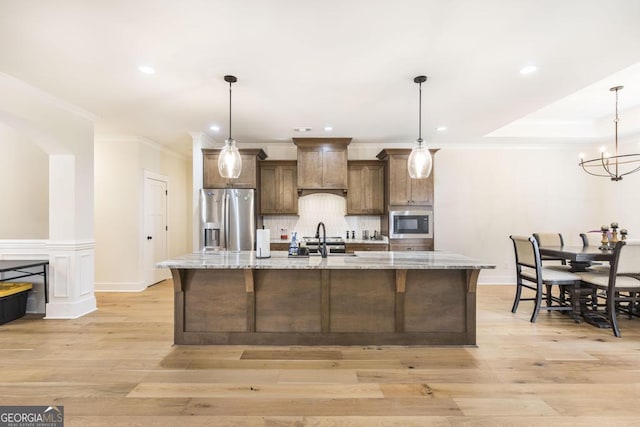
[
  {"x": 594, "y": 240},
  {"x": 530, "y": 274},
  {"x": 550, "y": 239},
  {"x": 621, "y": 284},
  {"x": 590, "y": 239}
]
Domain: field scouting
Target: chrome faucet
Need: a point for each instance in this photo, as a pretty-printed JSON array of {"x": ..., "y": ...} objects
[{"x": 322, "y": 247}]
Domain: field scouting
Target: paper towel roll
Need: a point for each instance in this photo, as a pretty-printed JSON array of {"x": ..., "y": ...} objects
[{"x": 263, "y": 243}]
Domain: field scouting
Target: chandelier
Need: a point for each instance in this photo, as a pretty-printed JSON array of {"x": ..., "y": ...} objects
[
  {"x": 420, "y": 161},
  {"x": 616, "y": 166},
  {"x": 229, "y": 161}
]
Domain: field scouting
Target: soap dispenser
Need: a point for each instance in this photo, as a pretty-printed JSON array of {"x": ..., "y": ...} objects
[{"x": 293, "y": 246}]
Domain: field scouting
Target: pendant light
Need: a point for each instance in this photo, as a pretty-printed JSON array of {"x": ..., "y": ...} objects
[
  {"x": 229, "y": 161},
  {"x": 420, "y": 162}
]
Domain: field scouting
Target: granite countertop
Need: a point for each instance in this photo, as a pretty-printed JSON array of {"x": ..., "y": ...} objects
[
  {"x": 383, "y": 241},
  {"x": 369, "y": 260}
]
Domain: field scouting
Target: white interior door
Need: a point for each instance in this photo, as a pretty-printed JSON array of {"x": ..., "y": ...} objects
[{"x": 156, "y": 231}]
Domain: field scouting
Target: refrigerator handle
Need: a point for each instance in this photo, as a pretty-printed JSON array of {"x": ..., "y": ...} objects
[{"x": 226, "y": 220}]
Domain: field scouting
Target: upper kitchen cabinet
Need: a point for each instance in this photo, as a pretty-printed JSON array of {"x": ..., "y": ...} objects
[
  {"x": 322, "y": 163},
  {"x": 366, "y": 187},
  {"x": 401, "y": 189},
  {"x": 248, "y": 176},
  {"x": 278, "y": 188}
]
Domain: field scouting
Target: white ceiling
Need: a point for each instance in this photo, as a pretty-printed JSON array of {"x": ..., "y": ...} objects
[{"x": 348, "y": 64}]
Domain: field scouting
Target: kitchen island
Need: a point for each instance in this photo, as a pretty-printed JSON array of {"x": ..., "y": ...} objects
[{"x": 369, "y": 298}]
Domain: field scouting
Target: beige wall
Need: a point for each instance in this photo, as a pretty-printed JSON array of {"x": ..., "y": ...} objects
[
  {"x": 24, "y": 187},
  {"x": 483, "y": 195},
  {"x": 119, "y": 208}
]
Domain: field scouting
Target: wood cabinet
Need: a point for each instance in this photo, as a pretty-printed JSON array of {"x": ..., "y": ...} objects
[
  {"x": 322, "y": 163},
  {"x": 278, "y": 188},
  {"x": 402, "y": 190},
  {"x": 248, "y": 175},
  {"x": 366, "y": 187},
  {"x": 411, "y": 244},
  {"x": 362, "y": 247},
  {"x": 279, "y": 246}
]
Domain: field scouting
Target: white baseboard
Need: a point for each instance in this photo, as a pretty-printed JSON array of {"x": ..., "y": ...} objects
[
  {"x": 119, "y": 286},
  {"x": 71, "y": 310}
]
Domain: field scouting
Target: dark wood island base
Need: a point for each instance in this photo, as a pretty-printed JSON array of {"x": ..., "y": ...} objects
[{"x": 325, "y": 306}]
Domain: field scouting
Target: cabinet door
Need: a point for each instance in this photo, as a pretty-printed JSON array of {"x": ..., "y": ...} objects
[
  {"x": 366, "y": 189},
  {"x": 288, "y": 189},
  {"x": 309, "y": 168},
  {"x": 374, "y": 189},
  {"x": 247, "y": 178},
  {"x": 268, "y": 190},
  {"x": 355, "y": 195},
  {"x": 411, "y": 245},
  {"x": 422, "y": 191},
  {"x": 362, "y": 247},
  {"x": 399, "y": 181},
  {"x": 211, "y": 177},
  {"x": 334, "y": 168},
  {"x": 278, "y": 189}
]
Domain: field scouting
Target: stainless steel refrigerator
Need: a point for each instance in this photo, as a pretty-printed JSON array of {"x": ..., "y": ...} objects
[{"x": 227, "y": 219}]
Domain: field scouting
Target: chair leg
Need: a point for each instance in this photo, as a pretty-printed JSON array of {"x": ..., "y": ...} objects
[
  {"x": 549, "y": 301},
  {"x": 611, "y": 309},
  {"x": 536, "y": 309},
  {"x": 516, "y": 301}
]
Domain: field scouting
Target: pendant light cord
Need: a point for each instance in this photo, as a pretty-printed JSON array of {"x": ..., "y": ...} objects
[
  {"x": 420, "y": 115},
  {"x": 230, "y": 111}
]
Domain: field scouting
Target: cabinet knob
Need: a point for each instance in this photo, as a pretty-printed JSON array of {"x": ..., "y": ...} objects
[{"x": 149, "y": 237}]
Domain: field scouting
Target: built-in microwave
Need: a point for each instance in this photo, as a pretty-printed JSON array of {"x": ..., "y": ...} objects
[{"x": 410, "y": 224}]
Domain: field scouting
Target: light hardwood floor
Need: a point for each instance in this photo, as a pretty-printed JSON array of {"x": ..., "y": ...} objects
[{"x": 118, "y": 366}]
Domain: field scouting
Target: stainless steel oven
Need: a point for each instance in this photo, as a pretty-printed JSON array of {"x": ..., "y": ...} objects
[{"x": 410, "y": 224}]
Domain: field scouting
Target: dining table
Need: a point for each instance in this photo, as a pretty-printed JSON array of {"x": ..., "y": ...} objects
[{"x": 580, "y": 259}]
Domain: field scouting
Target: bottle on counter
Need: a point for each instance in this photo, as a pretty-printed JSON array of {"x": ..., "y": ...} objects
[{"x": 293, "y": 246}]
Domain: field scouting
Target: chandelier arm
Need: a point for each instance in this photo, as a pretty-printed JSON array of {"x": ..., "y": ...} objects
[
  {"x": 631, "y": 171},
  {"x": 605, "y": 166},
  {"x": 591, "y": 173}
]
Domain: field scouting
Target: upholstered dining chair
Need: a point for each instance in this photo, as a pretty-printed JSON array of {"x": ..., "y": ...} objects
[
  {"x": 550, "y": 239},
  {"x": 594, "y": 240},
  {"x": 590, "y": 239},
  {"x": 621, "y": 284},
  {"x": 530, "y": 274}
]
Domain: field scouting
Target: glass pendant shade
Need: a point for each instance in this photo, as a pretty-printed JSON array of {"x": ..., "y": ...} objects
[
  {"x": 230, "y": 162},
  {"x": 420, "y": 162}
]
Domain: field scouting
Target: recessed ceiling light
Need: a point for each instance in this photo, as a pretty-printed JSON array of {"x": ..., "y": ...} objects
[
  {"x": 147, "y": 69},
  {"x": 302, "y": 129},
  {"x": 528, "y": 69},
  {"x": 214, "y": 128},
  {"x": 328, "y": 128},
  {"x": 441, "y": 128}
]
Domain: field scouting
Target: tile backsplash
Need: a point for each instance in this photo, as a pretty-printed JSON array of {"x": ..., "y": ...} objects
[{"x": 321, "y": 207}]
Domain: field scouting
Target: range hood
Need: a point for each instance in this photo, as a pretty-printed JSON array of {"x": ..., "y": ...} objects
[{"x": 322, "y": 165}]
